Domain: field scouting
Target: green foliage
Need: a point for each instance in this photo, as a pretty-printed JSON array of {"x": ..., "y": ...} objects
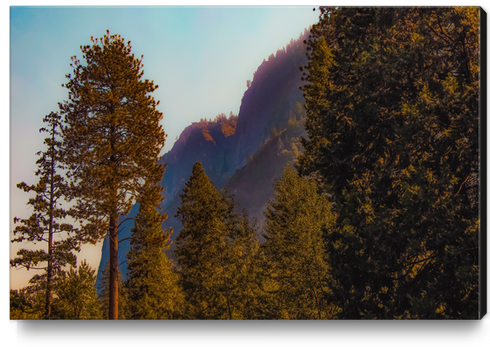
[
  {"x": 295, "y": 267},
  {"x": 45, "y": 224},
  {"x": 153, "y": 288},
  {"x": 392, "y": 106},
  {"x": 76, "y": 294},
  {"x": 26, "y": 305},
  {"x": 215, "y": 249}
]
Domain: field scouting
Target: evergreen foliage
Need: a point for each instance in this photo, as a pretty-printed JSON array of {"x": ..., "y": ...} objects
[
  {"x": 240, "y": 267},
  {"x": 215, "y": 249},
  {"x": 296, "y": 267},
  {"x": 392, "y": 102},
  {"x": 153, "y": 286},
  {"x": 76, "y": 294},
  {"x": 112, "y": 140},
  {"x": 45, "y": 224},
  {"x": 74, "y": 297},
  {"x": 26, "y": 304}
]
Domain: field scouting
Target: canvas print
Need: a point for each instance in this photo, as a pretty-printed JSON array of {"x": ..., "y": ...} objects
[{"x": 247, "y": 163}]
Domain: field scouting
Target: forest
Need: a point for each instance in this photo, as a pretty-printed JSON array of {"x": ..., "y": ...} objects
[{"x": 376, "y": 216}]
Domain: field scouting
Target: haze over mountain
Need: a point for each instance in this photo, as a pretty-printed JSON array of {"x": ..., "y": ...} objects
[{"x": 241, "y": 153}]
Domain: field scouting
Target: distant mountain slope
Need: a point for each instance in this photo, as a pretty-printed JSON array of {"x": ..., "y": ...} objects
[
  {"x": 252, "y": 185},
  {"x": 209, "y": 142},
  {"x": 243, "y": 153},
  {"x": 269, "y": 101}
]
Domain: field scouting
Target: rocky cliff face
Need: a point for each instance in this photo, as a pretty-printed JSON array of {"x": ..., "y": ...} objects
[
  {"x": 243, "y": 153},
  {"x": 209, "y": 142},
  {"x": 269, "y": 101}
]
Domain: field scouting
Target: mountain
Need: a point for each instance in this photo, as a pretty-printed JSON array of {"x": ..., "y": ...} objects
[
  {"x": 243, "y": 154},
  {"x": 252, "y": 184},
  {"x": 211, "y": 143}
]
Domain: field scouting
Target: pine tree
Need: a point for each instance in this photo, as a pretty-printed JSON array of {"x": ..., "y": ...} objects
[
  {"x": 392, "y": 101},
  {"x": 212, "y": 240},
  {"x": 294, "y": 251},
  {"x": 76, "y": 294},
  {"x": 44, "y": 225},
  {"x": 112, "y": 140},
  {"x": 153, "y": 288}
]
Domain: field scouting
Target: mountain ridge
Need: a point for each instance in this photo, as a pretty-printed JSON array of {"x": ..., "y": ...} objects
[{"x": 269, "y": 120}]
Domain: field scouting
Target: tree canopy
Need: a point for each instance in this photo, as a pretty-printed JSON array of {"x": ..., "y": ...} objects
[{"x": 392, "y": 101}]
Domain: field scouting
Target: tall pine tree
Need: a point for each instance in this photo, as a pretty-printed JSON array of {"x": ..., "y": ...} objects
[
  {"x": 295, "y": 259},
  {"x": 45, "y": 224},
  {"x": 214, "y": 251},
  {"x": 112, "y": 140},
  {"x": 153, "y": 286}
]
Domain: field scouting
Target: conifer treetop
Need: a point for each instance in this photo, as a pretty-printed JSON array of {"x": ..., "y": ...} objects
[{"x": 113, "y": 137}]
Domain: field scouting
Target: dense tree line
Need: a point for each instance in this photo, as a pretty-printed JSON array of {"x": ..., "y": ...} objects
[
  {"x": 222, "y": 271},
  {"x": 379, "y": 218},
  {"x": 392, "y": 104}
]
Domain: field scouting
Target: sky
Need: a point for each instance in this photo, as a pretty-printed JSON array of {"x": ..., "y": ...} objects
[{"x": 200, "y": 57}]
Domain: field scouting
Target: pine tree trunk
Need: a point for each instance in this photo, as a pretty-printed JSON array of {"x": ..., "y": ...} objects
[
  {"x": 47, "y": 311},
  {"x": 113, "y": 269},
  {"x": 113, "y": 244}
]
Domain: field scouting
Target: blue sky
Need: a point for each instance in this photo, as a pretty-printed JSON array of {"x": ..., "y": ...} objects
[{"x": 201, "y": 58}]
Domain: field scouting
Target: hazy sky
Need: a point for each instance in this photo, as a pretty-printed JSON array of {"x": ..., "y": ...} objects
[{"x": 201, "y": 58}]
